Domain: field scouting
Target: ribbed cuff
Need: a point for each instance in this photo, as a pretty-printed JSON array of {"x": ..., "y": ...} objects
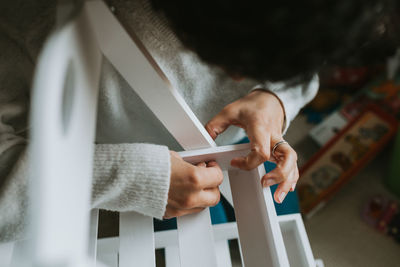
[{"x": 131, "y": 177}]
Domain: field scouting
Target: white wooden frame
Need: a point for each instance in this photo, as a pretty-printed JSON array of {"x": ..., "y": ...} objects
[{"x": 60, "y": 228}]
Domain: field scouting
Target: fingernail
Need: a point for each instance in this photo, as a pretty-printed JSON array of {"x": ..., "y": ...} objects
[
  {"x": 282, "y": 197},
  {"x": 293, "y": 186},
  {"x": 269, "y": 182},
  {"x": 202, "y": 164}
]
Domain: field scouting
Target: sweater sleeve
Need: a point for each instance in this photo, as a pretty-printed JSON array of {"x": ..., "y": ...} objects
[
  {"x": 131, "y": 177},
  {"x": 292, "y": 98}
]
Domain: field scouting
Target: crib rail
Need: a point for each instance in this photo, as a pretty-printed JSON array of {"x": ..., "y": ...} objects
[
  {"x": 63, "y": 119},
  {"x": 64, "y": 233}
]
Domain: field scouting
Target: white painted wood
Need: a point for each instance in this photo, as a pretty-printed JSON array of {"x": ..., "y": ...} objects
[
  {"x": 196, "y": 240},
  {"x": 163, "y": 239},
  {"x": 142, "y": 73},
  {"x": 222, "y": 155},
  {"x": 296, "y": 241},
  {"x": 128, "y": 55},
  {"x": 111, "y": 260},
  {"x": 223, "y": 254},
  {"x": 6, "y": 250},
  {"x": 172, "y": 256},
  {"x": 62, "y": 145},
  {"x": 136, "y": 247},
  {"x": 108, "y": 245},
  {"x": 260, "y": 237},
  {"x": 259, "y": 232},
  {"x": 93, "y": 230},
  {"x": 319, "y": 263},
  {"x": 225, "y": 188}
]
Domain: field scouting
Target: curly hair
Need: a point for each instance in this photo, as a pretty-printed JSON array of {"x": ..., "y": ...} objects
[{"x": 285, "y": 39}]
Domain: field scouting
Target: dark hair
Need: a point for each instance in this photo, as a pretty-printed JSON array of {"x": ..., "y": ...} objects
[{"x": 285, "y": 39}]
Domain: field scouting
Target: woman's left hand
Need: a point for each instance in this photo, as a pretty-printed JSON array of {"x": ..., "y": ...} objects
[{"x": 261, "y": 115}]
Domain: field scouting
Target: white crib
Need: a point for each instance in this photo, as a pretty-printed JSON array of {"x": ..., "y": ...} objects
[{"x": 62, "y": 230}]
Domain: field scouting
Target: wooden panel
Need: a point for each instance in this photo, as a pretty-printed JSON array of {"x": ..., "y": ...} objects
[
  {"x": 64, "y": 103},
  {"x": 223, "y": 254},
  {"x": 296, "y": 241},
  {"x": 259, "y": 232},
  {"x": 109, "y": 260},
  {"x": 222, "y": 155},
  {"x": 194, "y": 234},
  {"x": 6, "y": 250},
  {"x": 172, "y": 256},
  {"x": 93, "y": 229},
  {"x": 136, "y": 247}
]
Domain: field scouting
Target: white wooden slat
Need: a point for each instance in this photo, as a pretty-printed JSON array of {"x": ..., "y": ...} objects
[
  {"x": 108, "y": 245},
  {"x": 136, "y": 247},
  {"x": 131, "y": 59},
  {"x": 296, "y": 241},
  {"x": 196, "y": 240},
  {"x": 63, "y": 114},
  {"x": 223, "y": 254},
  {"x": 109, "y": 260},
  {"x": 225, "y": 188},
  {"x": 163, "y": 239},
  {"x": 172, "y": 256},
  {"x": 319, "y": 263},
  {"x": 222, "y": 155},
  {"x": 142, "y": 73},
  {"x": 260, "y": 237},
  {"x": 19, "y": 254},
  {"x": 93, "y": 230},
  {"x": 6, "y": 251}
]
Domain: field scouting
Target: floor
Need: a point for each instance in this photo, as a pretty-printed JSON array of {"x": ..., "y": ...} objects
[{"x": 336, "y": 233}]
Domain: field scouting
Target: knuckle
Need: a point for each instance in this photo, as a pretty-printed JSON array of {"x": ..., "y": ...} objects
[
  {"x": 281, "y": 174},
  {"x": 195, "y": 178},
  {"x": 263, "y": 152},
  {"x": 220, "y": 178},
  {"x": 216, "y": 199},
  {"x": 186, "y": 203}
]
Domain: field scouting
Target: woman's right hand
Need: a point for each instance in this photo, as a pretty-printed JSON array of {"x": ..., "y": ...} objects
[{"x": 192, "y": 187}]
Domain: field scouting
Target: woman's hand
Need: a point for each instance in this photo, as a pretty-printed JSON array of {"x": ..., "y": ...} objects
[
  {"x": 192, "y": 188},
  {"x": 261, "y": 115}
]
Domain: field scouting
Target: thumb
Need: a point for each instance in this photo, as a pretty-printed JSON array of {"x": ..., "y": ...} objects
[{"x": 218, "y": 124}]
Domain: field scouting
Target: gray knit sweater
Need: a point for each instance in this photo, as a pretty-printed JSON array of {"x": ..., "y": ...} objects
[{"x": 131, "y": 161}]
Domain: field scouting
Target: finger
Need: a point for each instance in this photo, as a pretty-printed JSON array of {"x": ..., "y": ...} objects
[
  {"x": 209, "y": 177},
  {"x": 209, "y": 197},
  {"x": 260, "y": 149},
  {"x": 293, "y": 187},
  {"x": 218, "y": 124},
  {"x": 282, "y": 150},
  {"x": 175, "y": 154},
  {"x": 283, "y": 189},
  {"x": 172, "y": 212},
  {"x": 286, "y": 167},
  {"x": 201, "y": 164},
  {"x": 297, "y": 178}
]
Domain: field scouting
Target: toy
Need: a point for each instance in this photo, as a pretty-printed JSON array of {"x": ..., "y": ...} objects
[
  {"x": 383, "y": 214},
  {"x": 344, "y": 155}
]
